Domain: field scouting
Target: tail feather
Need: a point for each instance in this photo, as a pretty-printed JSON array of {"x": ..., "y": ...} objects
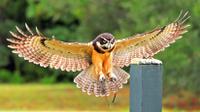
[
  {"x": 87, "y": 84},
  {"x": 90, "y": 89},
  {"x": 113, "y": 86},
  {"x": 97, "y": 89},
  {"x": 90, "y": 85},
  {"x": 107, "y": 90},
  {"x": 85, "y": 87},
  {"x": 104, "y": 88},
  {"x": 79, "y": 80},
  {"x": 124, "y": 76}
]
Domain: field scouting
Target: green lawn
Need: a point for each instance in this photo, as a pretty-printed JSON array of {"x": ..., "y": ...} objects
[
  {"x": 57, "y": 97},
  {"x": 61, "y": 97}
]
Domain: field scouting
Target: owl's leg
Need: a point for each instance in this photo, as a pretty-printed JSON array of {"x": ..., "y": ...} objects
[
  {"x": 146, "y": 61},
  {"x": 97, "y": 64},
  {"x": 108, "y": 69},
  {"x": 99, "y": 73}
]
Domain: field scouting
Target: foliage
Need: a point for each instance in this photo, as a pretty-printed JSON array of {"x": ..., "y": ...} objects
[
  {"x": 7, "y": 76},
  {"x": 48, "y": 80},
  {"x": 82, "y": 20},
  {"x": 4, "y": 56}
]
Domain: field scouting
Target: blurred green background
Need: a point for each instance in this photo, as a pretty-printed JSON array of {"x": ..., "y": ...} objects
[{"x": 83, "y": 20}]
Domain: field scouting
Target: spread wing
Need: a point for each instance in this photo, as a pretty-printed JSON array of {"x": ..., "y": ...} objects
[
  {"x": 50, "y": 52},
  {"x": 148, "y": 44}
]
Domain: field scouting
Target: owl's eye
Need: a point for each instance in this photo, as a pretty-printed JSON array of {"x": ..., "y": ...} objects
[{"x": 103, "y": 42}]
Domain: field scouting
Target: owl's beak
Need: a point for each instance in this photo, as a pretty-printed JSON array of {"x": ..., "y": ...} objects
[{"x": 108, "y": 45}]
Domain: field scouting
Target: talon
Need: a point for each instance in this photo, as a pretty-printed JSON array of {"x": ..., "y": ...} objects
[
  {"x": 113, "y": 77},
  {"x": 102, "y": 78}
]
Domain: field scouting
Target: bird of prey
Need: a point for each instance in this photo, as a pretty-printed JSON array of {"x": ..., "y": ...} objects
[{"x": 101, "y": 60}]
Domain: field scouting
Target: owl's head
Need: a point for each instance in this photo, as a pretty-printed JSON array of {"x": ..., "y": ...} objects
[{"x": 104, "y": 42}]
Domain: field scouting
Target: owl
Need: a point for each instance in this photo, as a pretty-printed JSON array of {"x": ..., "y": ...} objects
[{"x": 101, "y": 60}]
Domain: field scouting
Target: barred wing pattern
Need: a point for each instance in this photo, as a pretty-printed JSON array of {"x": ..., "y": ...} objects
[
  {"x": 148, "y": 44},
  {"x": 50, "y": 52}
]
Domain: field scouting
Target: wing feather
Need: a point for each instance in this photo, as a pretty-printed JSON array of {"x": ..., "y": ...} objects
[
  {"x": 50, "y": 52},
  {"x": 148, "y": 44}
]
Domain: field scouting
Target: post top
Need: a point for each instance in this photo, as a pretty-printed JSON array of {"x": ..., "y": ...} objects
[{"x": 152, "y": 61}]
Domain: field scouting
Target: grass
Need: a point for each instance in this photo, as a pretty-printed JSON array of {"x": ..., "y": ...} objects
[
  {"x": 57, "y": 97},
  {"x": 61, "y": 97}
]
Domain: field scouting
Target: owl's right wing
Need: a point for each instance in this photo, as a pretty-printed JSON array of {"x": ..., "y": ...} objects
[{"x": 50, "y": 52}]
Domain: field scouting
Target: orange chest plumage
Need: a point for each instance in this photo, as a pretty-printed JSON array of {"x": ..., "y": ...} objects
[{"x": 102, "y": 62}]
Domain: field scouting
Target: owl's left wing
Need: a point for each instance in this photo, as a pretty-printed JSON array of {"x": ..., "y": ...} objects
[
  {"x": 147, "y": 44},
  {"x": 36, "y": 48}
]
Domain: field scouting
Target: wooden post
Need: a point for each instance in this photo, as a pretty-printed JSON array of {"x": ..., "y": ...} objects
[{"x": 146, "y": 88}]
